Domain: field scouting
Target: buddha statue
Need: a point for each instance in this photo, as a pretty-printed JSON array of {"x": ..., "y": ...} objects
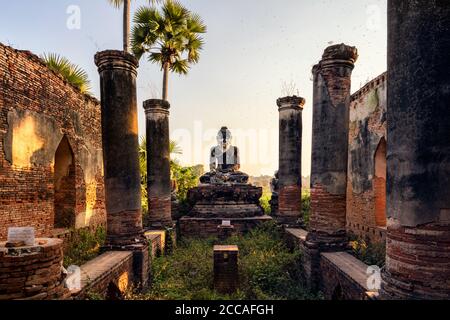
[{"x": 224, "y": 163}]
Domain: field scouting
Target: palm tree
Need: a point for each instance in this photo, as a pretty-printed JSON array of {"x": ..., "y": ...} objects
[
  {"x": 72, "y": 73},
  {"x": 126, "y": 19},
  {"x": 171, "y": 37}
]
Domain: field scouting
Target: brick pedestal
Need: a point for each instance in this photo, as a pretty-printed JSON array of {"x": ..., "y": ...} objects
[
  {"x": 33, "y": 272},
  {"x": 226, "y": 275}
]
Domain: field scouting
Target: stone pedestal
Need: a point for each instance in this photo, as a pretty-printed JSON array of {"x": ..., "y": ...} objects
[
  {"x": 418, "y": 148},
  {"x": 226, "y": 274},
  {"x": 213, "y": 203},
  {"x": 33, "y": 272},
  {"x": 225, "y": 231},
  {"x": 120, "y": 146},
  {"x": 290, "y": 156},
  {"x": 331, "y": 102},
  {"x": 159, "y": 184}
]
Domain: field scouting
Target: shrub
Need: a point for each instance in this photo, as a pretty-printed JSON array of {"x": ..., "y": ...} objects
[
  {"x": 368, "y": 252},
  {"x": 84, "y": 245}
]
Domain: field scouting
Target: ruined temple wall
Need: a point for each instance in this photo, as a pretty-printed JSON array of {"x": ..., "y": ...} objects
[
  {"x": 37, "y": 109},
  {"x": 366, "y": 130}
]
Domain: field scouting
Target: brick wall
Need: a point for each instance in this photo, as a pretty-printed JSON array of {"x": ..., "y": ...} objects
[
  {"x": 37, "y": 109},
  {"x": 366, "y": 193}
]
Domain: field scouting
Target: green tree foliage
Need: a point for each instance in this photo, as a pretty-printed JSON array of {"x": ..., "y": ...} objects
[
  {"x": 72, "y": 73},
  {"x": 170, "y": 36}
]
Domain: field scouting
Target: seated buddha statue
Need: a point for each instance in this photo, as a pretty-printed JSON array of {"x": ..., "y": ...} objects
[{"x": 224, "y": 163}]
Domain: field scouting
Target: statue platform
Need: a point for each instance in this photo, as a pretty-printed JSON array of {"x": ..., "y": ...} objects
[
  {"x": 224, "y": 202},
  {"x": 211, "y": 204}
]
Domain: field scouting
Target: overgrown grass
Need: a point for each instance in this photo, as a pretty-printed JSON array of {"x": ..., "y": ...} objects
[
  {"x": 267, "y": 269},
  {"x": 84, "y": 245}
]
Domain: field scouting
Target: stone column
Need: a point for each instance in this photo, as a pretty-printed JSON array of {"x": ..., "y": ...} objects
[
  {"x": 120, "y": 146},
  {"x": 332, "y": 81},
  {"x": 290, "y": 160},
  {"x": 158, "y": 163},
  {"x": 418, "y": 151}
]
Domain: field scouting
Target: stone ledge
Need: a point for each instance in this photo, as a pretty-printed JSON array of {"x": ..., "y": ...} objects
[
  {"x": 344, "y": 271},
  {"x": 97, "y": 270}
]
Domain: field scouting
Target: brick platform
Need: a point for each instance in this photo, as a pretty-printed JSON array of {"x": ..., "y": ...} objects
[{"x": 207, "y": 227}]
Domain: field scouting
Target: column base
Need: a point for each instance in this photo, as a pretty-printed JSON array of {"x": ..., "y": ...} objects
[
  {"x": 315, "y": 244},
  {"x": 124, "y": 228},
  {"x": 417, "y": 263}
]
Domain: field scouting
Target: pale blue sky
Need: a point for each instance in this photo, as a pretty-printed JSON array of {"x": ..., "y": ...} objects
[{"x": 252, "y": 48}]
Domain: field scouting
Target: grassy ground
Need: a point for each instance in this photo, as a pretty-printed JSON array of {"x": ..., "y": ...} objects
[{"x": 267, "y": 270}]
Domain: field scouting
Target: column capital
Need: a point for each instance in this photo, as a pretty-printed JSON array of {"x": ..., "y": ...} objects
[
  {"x": 156, "y": 106},
  {"x": 115, "y": 59},
  {"x": 335, "y": 55},
  {"x": 291, "y": 102}
]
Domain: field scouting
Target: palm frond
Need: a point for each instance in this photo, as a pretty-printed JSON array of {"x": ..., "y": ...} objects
[
  {"x": 174, "y": 148},
  {"x": 195, "y": 24},
  {"x": 72, "y": 73},
  {"x": 180, "y": 66}
]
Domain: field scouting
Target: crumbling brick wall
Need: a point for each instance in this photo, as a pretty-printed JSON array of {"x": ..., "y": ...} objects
[
  {"x": 367, "y": 133},
  {"x": 37, "y": 109}
]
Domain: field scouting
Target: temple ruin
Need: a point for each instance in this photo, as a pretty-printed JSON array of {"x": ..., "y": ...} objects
[{"x": 380, "y": 168}]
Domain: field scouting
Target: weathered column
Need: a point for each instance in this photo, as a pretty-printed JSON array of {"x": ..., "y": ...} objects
[
  {"x": 159, "y": 184},
  {"x": 120, "y": 146},
  {"x": 290, "y": 160},
  {"x": 332, "y": 81},
  {"x": 418, "y": 151}
]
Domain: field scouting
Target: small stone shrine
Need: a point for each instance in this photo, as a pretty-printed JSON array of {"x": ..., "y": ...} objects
[{"x": 223, "y": 194}]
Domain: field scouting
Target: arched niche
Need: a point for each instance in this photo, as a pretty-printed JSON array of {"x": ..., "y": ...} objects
[
  {"x": 379, "y": 184},
  {"x": 64, "y": 185}
]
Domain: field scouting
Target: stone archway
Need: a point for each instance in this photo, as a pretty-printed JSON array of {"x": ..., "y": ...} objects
[
  {"x": 379, "y": 185},
  {"x": 64, "y": 185}
]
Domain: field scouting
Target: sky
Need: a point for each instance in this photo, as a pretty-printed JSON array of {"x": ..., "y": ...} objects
[{"x": 255, "y": 52}]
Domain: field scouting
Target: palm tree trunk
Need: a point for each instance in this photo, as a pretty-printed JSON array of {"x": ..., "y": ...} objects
[
  {"x": 126, "y": 25},
  {"x": 165, "y": 81}
]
